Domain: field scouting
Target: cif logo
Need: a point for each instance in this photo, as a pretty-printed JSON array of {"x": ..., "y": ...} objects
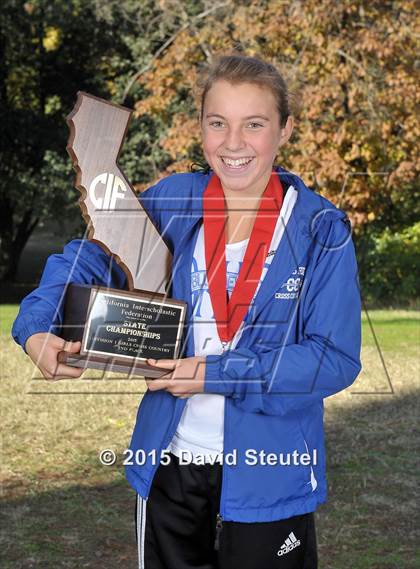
[{"x": 114, "y": 189}]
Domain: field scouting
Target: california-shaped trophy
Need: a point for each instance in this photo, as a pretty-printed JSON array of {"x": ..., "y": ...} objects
[{"x": 118, "y": 329}]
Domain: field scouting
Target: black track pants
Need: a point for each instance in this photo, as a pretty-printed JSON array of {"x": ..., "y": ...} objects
[{"x": 176, "y": 528}]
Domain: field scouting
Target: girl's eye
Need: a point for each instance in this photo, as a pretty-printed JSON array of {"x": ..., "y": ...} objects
[
  {"x": 216, "y": 124},
  {"x": 220, "y": 124}
]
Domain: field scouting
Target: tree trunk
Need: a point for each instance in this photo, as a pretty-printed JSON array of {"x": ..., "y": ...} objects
[{"x": 13, "y": 241}]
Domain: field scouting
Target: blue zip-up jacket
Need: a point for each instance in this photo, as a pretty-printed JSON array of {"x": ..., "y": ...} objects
[{"x": 300, "y": 343}]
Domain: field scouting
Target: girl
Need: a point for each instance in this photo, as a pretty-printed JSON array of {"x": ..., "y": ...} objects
[{"x": 233, "y": 433}]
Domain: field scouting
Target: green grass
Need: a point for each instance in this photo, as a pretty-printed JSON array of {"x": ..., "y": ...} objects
[
  {"x": 8, "y": 313},
  {"x": 394, "y": 329},
  {"x": 61, "y": 508}
]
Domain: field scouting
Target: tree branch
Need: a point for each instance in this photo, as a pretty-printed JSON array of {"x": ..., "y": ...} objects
[
  {"x": 166, "y": 44},
  {"x": 352, "y": 60}
]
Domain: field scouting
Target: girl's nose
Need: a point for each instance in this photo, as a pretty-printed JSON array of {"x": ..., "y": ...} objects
[{"x": 234, "y": 139}]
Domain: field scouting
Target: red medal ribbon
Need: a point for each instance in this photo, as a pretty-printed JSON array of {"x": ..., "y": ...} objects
[{"x": 230, "y": 313}]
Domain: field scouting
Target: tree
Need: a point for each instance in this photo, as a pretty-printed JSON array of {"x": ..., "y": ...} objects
[
  {"x": 351, "y": 64},
  {"x": 41, "y": 45},
  {"x": 50, "y": 49}
]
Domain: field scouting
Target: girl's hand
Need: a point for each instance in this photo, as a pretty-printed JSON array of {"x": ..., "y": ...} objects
[
  {"x": 43, "y": 349},
  {"x": 186, "y": 376}
]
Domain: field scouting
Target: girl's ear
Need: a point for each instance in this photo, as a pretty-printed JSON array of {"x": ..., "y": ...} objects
[{"x": 286, "y": 131}]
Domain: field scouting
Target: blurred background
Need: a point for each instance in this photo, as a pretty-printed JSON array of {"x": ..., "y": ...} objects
[{"x": 353, "y": 69}]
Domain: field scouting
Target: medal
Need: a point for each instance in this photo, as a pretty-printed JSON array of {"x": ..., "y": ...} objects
[{"x": 230, "y": 312}]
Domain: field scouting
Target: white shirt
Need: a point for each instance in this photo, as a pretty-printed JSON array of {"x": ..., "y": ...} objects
[{"x": 200, "y": 430}]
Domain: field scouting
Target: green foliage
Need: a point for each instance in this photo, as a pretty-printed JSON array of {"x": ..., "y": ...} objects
[
  {"x": 50, "y": 49},
  {"x": 49, "y": 52},
  {"x": 389, "y": 270}
]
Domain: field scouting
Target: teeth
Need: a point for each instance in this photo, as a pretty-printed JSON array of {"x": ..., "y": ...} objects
[{"x": 236, "y": 163}]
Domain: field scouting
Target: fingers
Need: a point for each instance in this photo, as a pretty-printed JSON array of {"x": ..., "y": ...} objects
[
  {"x": 55, "y": 369},
  {"x": 176, "y": 388},
  {"x": 53, "y": 341},
  {"x": 167, "y": 364},
  {"x": 156, "y": 384},
  {"x": 52, "y": 369},
  {"x": 62, "y": 371},
  {"x": 165, "y": 382},
  {"x": 72, "y": 347},
  {"x": 43, "y": 349}
]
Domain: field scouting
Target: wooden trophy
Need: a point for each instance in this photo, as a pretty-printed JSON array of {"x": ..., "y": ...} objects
[{"x": 118, "y": 329}]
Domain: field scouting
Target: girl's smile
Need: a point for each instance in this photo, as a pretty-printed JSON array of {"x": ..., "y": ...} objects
[{"x": 236, "y": 164}]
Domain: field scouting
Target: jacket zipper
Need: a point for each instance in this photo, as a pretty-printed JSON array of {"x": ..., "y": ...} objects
[
  {"x": 219, "y": 527},
  {"x": 219, "y": 517}
]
